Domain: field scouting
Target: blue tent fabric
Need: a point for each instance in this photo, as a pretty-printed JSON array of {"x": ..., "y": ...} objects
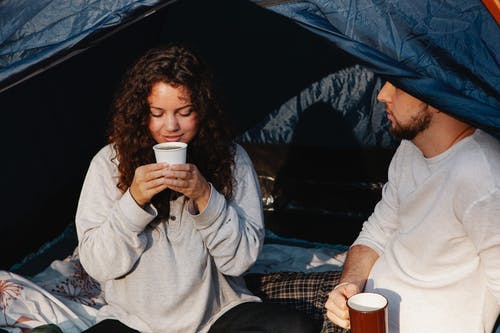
[
  {"x": 31, "y": 31},
  {"x": 444, "y": 52},
  {"x": 346, "y": 97}
]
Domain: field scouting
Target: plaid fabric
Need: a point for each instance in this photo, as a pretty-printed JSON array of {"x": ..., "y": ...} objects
[{"x": 306, "y": 292}]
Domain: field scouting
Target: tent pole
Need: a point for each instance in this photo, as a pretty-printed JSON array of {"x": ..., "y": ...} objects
[{"x": 493, "y": 7}]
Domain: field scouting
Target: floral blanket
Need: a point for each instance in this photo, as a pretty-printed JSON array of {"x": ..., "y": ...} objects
[{"x": 65, "y": 295}]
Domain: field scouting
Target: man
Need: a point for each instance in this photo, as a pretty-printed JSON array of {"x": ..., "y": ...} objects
[{"x": 432, "y": 244}]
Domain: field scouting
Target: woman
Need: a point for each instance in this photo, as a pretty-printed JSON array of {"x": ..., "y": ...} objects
[{"x": 169, "y": 243}]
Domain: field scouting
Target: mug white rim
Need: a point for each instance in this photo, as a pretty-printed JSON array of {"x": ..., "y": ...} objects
[{"x": 373, "y": 302}]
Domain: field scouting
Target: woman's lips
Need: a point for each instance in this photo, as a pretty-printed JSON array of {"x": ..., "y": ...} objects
[{"x": 171, "y": 138}]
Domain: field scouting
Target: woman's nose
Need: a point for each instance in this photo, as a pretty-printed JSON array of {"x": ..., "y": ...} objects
[
  {"x": 386, "y": 92},
  {"x": 171, "y": 123}
]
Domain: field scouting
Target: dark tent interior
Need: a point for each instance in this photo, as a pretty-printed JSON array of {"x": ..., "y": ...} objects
[{"x": 55, "y": 118}]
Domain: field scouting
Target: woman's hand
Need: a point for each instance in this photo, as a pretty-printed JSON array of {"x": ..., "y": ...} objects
[
  {"x": 148, "y": 180},
  {"x": 336, "y": 305},
  {"x": 187, "y": 179}
]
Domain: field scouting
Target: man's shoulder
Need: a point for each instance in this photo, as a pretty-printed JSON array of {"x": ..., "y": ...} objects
[
  {"x": 479, "y": 158},
  {"x": 487, "y": 143},
  {"x": 484, "y": 148}
]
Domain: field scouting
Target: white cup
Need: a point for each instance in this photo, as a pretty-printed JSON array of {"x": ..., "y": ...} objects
[{"x": 170, "y": 152}]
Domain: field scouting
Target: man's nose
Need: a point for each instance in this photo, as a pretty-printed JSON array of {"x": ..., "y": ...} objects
[{"x": 386, "y": 92}]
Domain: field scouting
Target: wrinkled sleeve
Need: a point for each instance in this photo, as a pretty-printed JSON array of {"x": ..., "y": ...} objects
[
  {"x": 383, "y": 222},
  {"x": 109, "y": 223},
  {"x": 482, "y": 225},
  {"x": 233, "y": 230}
]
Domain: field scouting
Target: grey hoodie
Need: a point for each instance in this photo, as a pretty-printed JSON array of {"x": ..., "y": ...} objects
[{"x": 180, "y": 274}]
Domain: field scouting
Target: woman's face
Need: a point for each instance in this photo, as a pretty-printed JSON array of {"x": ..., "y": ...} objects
[{"x": 172, "y": 117}]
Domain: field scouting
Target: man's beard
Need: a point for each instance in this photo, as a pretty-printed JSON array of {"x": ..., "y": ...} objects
[{"x": 418, "y": 124}]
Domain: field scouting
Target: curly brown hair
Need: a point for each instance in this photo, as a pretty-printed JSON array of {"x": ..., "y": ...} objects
[{"x": 212, "y": 150}]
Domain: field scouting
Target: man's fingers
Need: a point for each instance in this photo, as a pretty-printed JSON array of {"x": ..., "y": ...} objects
[
  {"x": 339, "y": 300},
  {"x": 337, "y": 305},
  {"x": 345, "y": 323}
]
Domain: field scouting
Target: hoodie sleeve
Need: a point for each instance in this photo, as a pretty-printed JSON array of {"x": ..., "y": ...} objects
[
  {"x": 233, "y": 230},
  {"x": 109, "y": 223}
]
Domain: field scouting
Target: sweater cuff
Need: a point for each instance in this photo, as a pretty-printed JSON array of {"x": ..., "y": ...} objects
[
  {"x": 135, "y": 218},
  {"x": 367, "y": 242},
  {"x": 213, "y": 209}
]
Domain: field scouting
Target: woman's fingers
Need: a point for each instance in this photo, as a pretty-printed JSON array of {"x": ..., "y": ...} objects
[
  {"x": 180, "y": 171},
  {"x": 148, "y": 181},
  {"x": 153, "y": 178},
  {"x": 186, "y": 179}
]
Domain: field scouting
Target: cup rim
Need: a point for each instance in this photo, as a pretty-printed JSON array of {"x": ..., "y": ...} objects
[
  {"x": 383, "y": 302},
  {"x": 180, "y": 145}
]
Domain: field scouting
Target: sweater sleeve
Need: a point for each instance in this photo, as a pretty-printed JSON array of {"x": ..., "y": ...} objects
[
  {"x": 383, "y": 222},
  {"x": 481, "y": 224},
  {"x": 109, "y": 223},
  {"x": 233, "y": 230}
]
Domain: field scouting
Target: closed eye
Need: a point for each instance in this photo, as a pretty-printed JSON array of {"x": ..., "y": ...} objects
[
  {"x": 186, "y": 112},
  {"x": 156, "y": 114}
]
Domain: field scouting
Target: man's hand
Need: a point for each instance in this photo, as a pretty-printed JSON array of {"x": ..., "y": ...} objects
[
  {"x": 357, "y": 266},
  {"x": 336, "y": 305}
]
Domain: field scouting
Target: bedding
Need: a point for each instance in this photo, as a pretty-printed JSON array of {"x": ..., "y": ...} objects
[
  {"x": 63, "y": 297},
  {"x": 306, "y": 292}
]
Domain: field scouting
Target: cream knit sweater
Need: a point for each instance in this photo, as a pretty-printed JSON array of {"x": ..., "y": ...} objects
[{"x": 437, "y": 230}]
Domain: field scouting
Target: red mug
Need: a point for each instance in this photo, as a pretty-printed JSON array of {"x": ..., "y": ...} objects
[{"x": 368, "y": 313}]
